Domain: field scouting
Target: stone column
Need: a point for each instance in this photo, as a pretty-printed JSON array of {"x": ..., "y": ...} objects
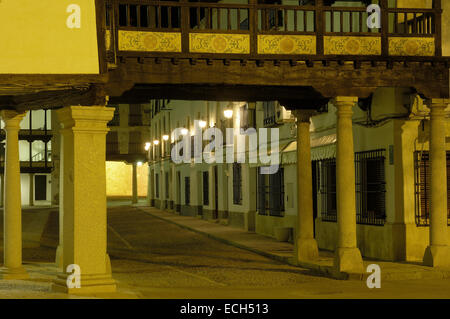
[
  {"x": 57, "y": 185},
  {"x": 306, "y": 245},
  {"x": 347, "y": 255},
  {"x": 135, "y": 185},
  {"x": 59, "y": 250},
  {"x": 437, "y": 253},
  {"x": 12, "y": 212},
  {"x": 84, "y": 200},
  {"x": 31, "y": 200}
]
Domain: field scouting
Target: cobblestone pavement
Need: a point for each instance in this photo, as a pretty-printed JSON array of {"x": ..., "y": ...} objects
[{"x": 154, "y": 259}]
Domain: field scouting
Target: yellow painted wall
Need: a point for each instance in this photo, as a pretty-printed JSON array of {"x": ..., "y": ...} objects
[
  {"x": 414, "y": 3},
  {"x": 35, "y": 37},
  {"x": 119, "y": 179}
]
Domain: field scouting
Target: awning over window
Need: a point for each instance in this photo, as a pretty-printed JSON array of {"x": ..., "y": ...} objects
[
  {"x": 321, "y": 148},
  {"x": 281, "y": 148}
]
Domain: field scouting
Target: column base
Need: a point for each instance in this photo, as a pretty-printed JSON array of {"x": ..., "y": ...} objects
[
  {"x": 348, "y": 260},
  {"x": 13, "y": 273},
  {"x": 89, "y": 284},
  {"x": 437, "y": 256},
  {"x": 307, "y": 249}
]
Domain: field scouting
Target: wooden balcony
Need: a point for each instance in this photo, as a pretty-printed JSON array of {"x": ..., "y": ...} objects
[
  {"x": 265, "y": 52},
  {"x": 150, "y": 49},
  {"x": 143, "y": 28}
]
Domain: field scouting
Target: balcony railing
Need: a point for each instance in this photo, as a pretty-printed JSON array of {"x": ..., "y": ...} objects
[{"x": 202, "y": 29}]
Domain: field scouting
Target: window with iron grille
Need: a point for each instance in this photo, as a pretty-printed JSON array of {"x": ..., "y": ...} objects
[
  {"x": 135, "y": 115},
  {"x": 326, "y": 172},
  {"x": 422, "y": 176},
  {"x": 206, "y": 188},
  {"x": 271, "y": 193},
  {"x": 157, "y": 185},
  {"x": 187, "y": 190},
  {"x": 370, "y": 187},
  {"x": 248, "y": 117},
  {"x": 167, "y": 184},
  {"x": 237, "y": 184},
  {"x": 269, "y": 113}
]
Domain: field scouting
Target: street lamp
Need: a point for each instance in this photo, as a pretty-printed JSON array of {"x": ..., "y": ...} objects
[
  {"x": 202, "y": 124},
  {"x": 228, "y": 113}
]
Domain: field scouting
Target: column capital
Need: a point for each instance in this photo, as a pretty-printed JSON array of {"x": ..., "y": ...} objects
[
  {"x": 437, "y": 103},
  {"x": 344, "y": 105},
  {"x": 12, "y": 118},
  {"x": 345, "y": 100},
  {"x": 304, "y": 116},
  {"x": 85, "y": 118}
]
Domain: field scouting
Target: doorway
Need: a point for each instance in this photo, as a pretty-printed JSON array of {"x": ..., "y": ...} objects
[{"x": 40, "y": 187}]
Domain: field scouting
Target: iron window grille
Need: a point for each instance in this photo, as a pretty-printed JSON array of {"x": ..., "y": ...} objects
[
  {"x": 248, "y": 117},
  {"x": 269, "y": 114},
  {"x": 326, "y": 172},
  {"x": 271, "y": 193},
  {"x": 135, "y": 115},
  {"x": 205, "y": 188},
  {"x": 237, "y": 184},
  {"x": 187, "y": 191},
  {"x": 157, "y": 185},
  {"x": 167, "y": 184},
  {"x": 370, "y": 188},
  {"x": 422, "y": 181}
]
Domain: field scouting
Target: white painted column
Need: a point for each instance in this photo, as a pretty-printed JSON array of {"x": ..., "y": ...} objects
[
  {"x": 134, "y": 199},
  {"x": 306, "y": 245},
  {"x": 347, "y": 255},
  {"x": 59, "y": 250},
  {"x": 12, "y": 212},
  {"x": 437, "y": 253},
  {"x": 84, "y": 200}
]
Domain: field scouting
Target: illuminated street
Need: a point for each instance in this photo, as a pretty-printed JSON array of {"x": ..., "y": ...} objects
[{"x": 155, "y": 259}]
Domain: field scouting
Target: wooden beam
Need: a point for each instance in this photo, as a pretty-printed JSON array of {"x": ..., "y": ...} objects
[{"x": 328, "y": 80}]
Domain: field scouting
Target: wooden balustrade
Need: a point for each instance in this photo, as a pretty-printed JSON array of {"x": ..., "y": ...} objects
[{"x": 255, "y": 20}]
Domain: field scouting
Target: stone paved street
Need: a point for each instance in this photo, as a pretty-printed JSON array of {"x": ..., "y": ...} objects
[{"x": 152, "y": 258}]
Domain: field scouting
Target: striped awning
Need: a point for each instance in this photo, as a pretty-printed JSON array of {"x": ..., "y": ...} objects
[{"x": 321, "y": 148}]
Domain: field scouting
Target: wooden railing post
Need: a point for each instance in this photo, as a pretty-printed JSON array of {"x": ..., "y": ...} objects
[
  {"x": 437, "y": 6},
  {"x": 320, "y": 27},
  {"x": 115, "y": 28},
  {"x": 100, "y": 8},
  {"x": 185, "y": 26},
  {"x": 384, "y": 27},
  {"x": 253, "y": 27}
]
